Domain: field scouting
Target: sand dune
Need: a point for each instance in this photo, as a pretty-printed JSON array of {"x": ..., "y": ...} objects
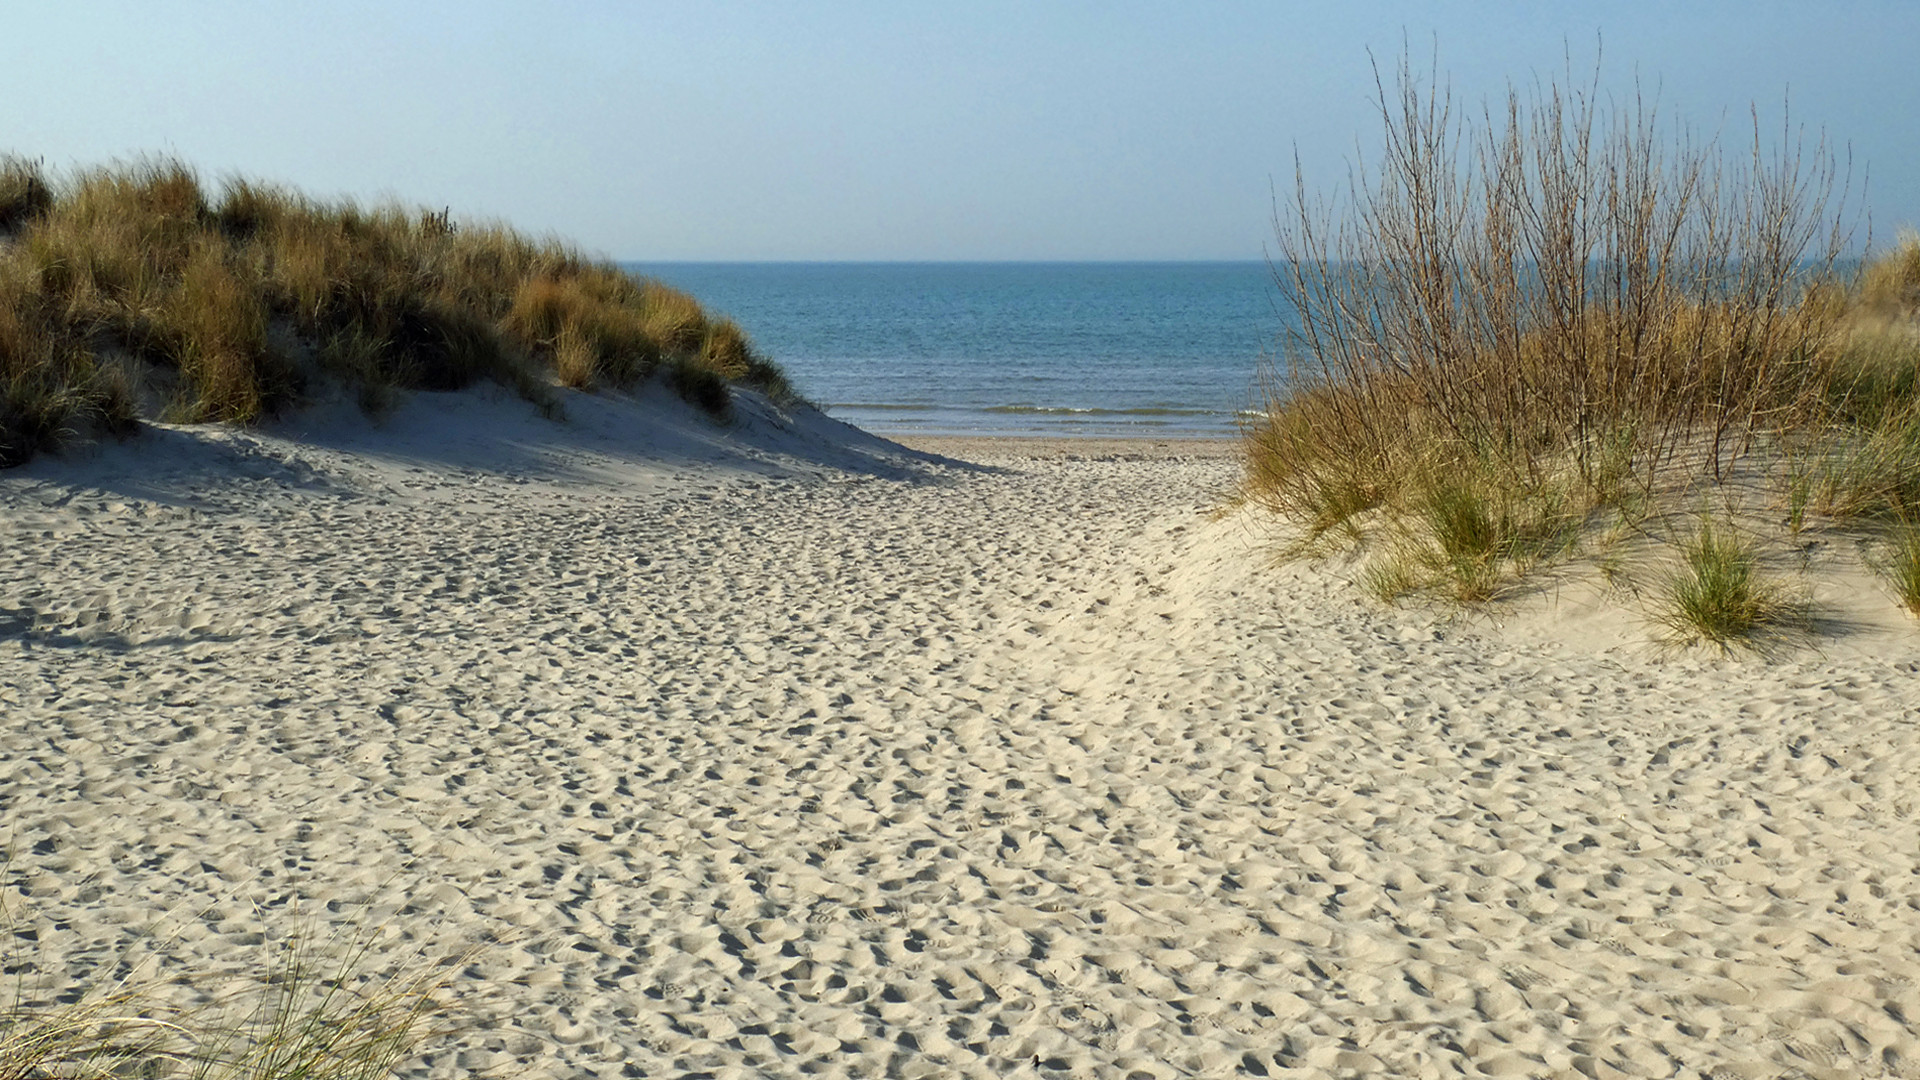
[{"x": 782, "y": 751}]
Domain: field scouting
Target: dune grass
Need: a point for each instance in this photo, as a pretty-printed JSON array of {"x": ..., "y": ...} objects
[
  {"x": 101, "y": 1036},
  {"x": 1514, "y": 329},
  {"x": 128, "y": 291},
  {"x": 1901, "y": 566},
  {"x": 298, "y": 1027},
  {"x": 1470, "y": 534},
  {"x": 311, "y": 1013},
  {"x": 309, "y": 1018},
  {"x": 1719, "y": 594}
]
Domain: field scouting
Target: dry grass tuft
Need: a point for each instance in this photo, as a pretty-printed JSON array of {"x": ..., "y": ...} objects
[
  {"x": 1718, "y": 593},
  {"x": 1902, "y": 565},
  {"x": 24, "y": 194},
  {"x": 313, "y": 1012},
  {"x": 1889, "y": 287},
  {"x": 237, "y": 302},
  {"x": 311, "y": 1019},
  {"x": 698, "y": 383},
  {"x": 1470, "y": 532}
]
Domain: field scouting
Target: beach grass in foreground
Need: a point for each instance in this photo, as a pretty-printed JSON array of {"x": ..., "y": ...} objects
[
  {"x": 1523, "y": 337},
  {"x": 126, "y": 291},
  {"x": 313, "y": 1011}
]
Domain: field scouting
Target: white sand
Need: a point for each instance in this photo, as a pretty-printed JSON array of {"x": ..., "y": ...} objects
[{"x": 781, "y": 752}]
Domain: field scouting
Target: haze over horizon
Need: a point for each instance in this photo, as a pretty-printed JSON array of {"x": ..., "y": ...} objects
[{"x": 863, "y": 131}]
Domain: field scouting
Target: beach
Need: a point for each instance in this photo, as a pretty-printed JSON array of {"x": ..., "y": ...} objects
[{"x": 781, "y": 750}]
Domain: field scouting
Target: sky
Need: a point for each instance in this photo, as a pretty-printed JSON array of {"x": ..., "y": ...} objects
[{"x": 743, "y": 130}]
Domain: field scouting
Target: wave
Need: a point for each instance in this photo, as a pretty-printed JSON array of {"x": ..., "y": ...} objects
[
  {"x": 1026, "y": 410},
  {"x": 898, "y": 416},
  {"x": 1052, "y": 410}
]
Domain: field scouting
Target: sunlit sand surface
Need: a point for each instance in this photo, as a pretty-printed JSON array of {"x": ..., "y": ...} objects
[{"x": 781, "y": 751}]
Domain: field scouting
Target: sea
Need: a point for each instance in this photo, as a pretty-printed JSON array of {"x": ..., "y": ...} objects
[{"x": 1171, "y": 349}]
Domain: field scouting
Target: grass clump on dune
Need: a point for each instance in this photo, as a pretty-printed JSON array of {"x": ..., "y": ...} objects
[
  {"x": 300, "y": 1025},
  {"x": 1719, "y": 593},
  {"x": 1513, "y": 332},
  {"x": 128, "y": 290},
  {"x": 1469, "y": 536},
  {"x": 311, "y": 1013},
  {"x": 1901, "y": 565}
]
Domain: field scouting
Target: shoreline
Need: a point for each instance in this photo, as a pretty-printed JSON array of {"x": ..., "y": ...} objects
[{"x": 1071, "y": 447}]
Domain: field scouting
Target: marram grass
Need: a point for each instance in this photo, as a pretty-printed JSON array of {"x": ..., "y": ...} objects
[
  {"x": 130, "y": 291},
  {"x": 1470, "y": 533},
  {"x": 1719, "y": 593},
  {"x": 1902, "y": 566},
  {"x": 310, "y": 1013}
]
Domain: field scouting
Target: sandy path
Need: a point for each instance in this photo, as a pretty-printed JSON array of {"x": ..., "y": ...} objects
[{"x": 1027, "y": 772}]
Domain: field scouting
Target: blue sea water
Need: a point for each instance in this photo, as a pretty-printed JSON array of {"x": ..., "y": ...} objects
[{"x": 1142, "y": 349}]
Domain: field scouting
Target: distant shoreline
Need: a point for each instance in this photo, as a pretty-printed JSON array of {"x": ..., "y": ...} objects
[{"x": 970, "y": 447}]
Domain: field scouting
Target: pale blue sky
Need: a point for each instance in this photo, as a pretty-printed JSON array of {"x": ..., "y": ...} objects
[{"x": 978, "y": 130}]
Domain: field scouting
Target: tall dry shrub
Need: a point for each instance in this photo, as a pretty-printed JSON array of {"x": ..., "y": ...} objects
[{"x": 1524, "y": 290}]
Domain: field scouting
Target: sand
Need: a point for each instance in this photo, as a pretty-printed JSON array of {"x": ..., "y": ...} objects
[{"x": 781, "y": 751}]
